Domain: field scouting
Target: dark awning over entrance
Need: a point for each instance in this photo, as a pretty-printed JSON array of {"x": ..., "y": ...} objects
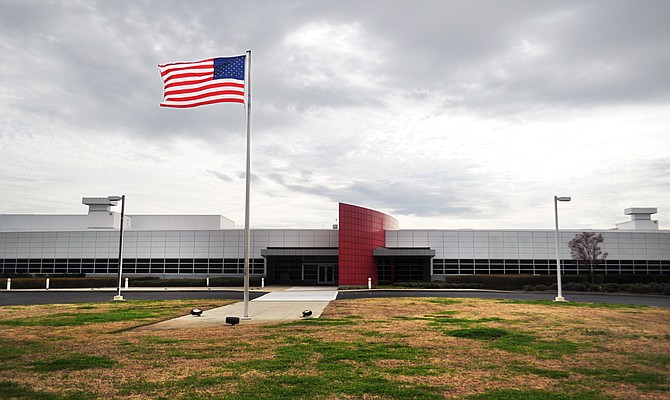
[{"x": 403, "y": 252}]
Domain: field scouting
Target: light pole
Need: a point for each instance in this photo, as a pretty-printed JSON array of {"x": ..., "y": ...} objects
[
  {"x": 122, "y": 198},
  {"x": 558, "y": 254}
]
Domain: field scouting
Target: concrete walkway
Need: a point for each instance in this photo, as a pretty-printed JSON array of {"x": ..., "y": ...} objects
[{"x": 277, "y": 306}]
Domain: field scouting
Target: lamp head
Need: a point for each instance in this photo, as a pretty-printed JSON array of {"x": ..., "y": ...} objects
[{"x": 563, "y": 198}]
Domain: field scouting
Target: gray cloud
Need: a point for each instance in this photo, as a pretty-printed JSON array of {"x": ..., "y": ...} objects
[
  {"x": 493, "y": 56},
  {"x": 221, "y": 176},
  {"x": 362, "y": 102},
  {"x": 398, "y": 197}
]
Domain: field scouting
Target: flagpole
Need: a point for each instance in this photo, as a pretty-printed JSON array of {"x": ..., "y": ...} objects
[{"x": 247, "y": 230}]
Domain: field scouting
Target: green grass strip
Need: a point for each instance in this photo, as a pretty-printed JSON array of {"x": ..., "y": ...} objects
[
  {"x": 653, "y": 359},
  {"x": 345, "y": 384},
  {"x": 11, "y": 390},
  {"x": 444, "y": 301},
  {"x": 87, "y": 318},
  {"x": 479, "y": 333},
  {"x": 523, "y": 343},
  {"x": 644, "y": 380},
  {"x": 73, "y": 362}
]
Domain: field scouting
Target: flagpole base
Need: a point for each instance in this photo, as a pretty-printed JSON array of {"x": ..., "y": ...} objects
[
  {"x": 118, "y": 297},
  {"x": 560, "y": 299}
]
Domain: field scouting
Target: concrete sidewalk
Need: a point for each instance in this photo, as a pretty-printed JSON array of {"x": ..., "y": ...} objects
[{"x": 278, "y": 306}]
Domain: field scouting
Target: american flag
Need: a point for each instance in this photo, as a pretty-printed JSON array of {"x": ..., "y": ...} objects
[{"x": 193, "y": 84}]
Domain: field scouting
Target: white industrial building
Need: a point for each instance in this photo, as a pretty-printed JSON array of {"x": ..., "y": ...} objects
[{"x": 366, "y": 244}]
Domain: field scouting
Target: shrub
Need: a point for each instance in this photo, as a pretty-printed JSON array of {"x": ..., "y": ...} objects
[
  {"x": 614, "y": 287},
  {"x": 68, "y": 283},
  {"x": 641, "y": 288},
  {"x": 80, "y": 275},
  {"x": 28, "y": 283},
  {"x": 234, "y": 282},
  {"x": 577, "y": 283},
  {"x": 661, "y": 288},
  {"x": 178, "y": 282},
  {"x": 133, "y": 279},
  {"x": 14, "y": 275},
  {"x": 594, "y": 288},
  {"x": 632, "y": 278},
  {"x": 638, "y": 288},
  {"x": 576, "y": 287}
]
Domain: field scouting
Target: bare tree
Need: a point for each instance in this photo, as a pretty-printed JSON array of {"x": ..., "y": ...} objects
[{"x": 585, "y": 248}]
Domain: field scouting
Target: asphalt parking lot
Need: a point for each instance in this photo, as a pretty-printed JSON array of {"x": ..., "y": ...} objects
[{"x": 54, "y": 296}]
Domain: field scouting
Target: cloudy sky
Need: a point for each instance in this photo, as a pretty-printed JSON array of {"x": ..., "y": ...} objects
[{"x": 444, "y": 114}]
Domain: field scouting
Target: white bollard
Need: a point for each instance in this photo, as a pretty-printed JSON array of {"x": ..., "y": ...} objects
[
  {"x": 369, "y": 283},
  {"x": 9, "y": 283},
  {"x": 47, "y": 283},
  {"x": 207, "y": 282},
  {"x": 262, "y": 282},
  {"x": 126, "y": 283}
]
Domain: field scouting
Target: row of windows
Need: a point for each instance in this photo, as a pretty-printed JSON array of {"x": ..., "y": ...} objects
[
  {"x": 235, "y": 266},
  {"x": 506, "y": 266},
  {"x": 227, "y": 266}
]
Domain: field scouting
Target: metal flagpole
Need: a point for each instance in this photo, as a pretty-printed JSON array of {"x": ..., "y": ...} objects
[{"x": 247, "y": 230}]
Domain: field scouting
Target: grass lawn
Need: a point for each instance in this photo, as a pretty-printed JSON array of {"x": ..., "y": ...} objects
[{"x": 407, "y": 348}]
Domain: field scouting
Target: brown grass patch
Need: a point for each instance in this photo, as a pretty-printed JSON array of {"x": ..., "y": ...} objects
[{"x": 414, "y": 332}]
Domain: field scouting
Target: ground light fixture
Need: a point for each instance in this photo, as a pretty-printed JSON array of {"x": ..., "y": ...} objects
[
  {"x": 559, "y": 296},
  {"x": 196, "y": 311},
  {"x": 232, "y": 320},
  {"x": 307, "y": 313},
  {"x": 121, "y": 198}
]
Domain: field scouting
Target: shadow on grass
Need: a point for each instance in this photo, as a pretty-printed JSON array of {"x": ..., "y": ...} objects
[
  {"x": 73, "y": 362},
  {"x": 12, "y": 390},
  {"x": 517, "y": 342}
]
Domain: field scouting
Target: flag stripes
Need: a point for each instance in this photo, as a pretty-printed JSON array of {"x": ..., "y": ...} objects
[{"x": 210, "y": 81}]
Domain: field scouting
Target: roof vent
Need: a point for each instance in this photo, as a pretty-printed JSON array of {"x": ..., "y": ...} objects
[{"x": 640, "y": 219}]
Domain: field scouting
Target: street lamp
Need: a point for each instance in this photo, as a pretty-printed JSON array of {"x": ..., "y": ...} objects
[
  {"x": 121, "y": 198},
  {"x": 558, "y": 255}
]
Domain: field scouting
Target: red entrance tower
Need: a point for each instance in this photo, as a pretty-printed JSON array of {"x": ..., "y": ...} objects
[{"x": 361, "y": 231}]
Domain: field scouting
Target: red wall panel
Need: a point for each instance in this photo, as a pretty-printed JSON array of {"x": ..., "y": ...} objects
[{"x": 361, "y": 231}]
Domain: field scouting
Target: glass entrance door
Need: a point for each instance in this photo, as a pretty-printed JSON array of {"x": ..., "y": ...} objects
[{"x": 326, "y": 274}]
